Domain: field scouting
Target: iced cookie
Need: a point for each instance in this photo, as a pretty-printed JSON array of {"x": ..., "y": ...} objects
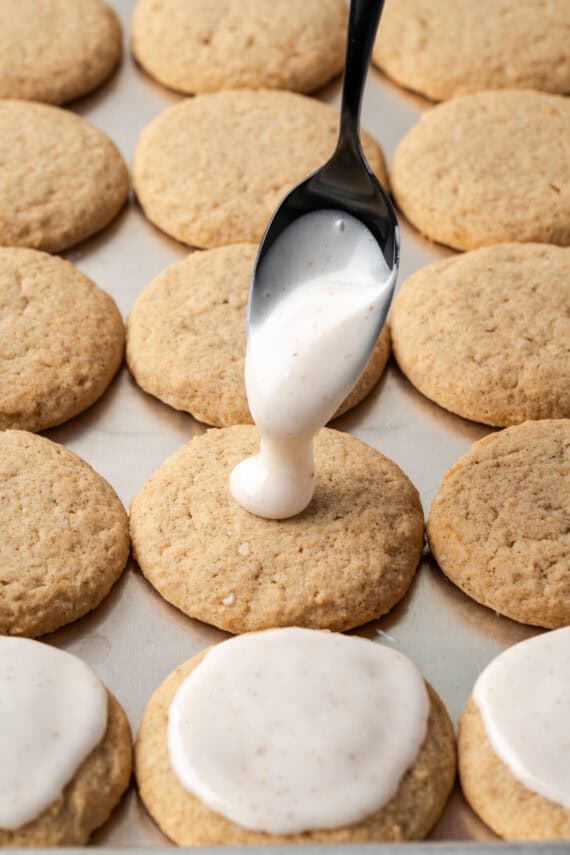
[
  {"x": 296, "y": 736},
  {"x": 195, "y": 46},
  {"x": 186, "y": 337},
  {"x": 442, "y": 49},
  {"x": 498, "y": 526},
  {"x": 64, "y": 536},
  {"x": 488, "y": 168},
  {"x": 513, "y": 741},
  {"x": 61, "y": 179},
  {"x": 487, "y": 334},
  {"x": 65, "y": 744},
  {"x": 211, "y": 170},
  {"x": 56, "y": 50},
  {"x": 61, "y": 340},
  {"x": 348, "y": 558}
]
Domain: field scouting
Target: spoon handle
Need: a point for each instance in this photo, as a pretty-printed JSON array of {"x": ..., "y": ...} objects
[{"x": 363, "y": 23}]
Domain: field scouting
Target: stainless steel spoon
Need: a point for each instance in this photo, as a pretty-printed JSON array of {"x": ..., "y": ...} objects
[{"x": 345, "y": 183}]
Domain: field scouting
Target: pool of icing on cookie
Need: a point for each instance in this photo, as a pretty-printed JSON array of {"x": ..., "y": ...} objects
[
  {"x": 524, "y": 700},
  {"x": 294, "y": 729},
  {"x": 53, "y": 712},
  {"x": 326, "y": 281}
]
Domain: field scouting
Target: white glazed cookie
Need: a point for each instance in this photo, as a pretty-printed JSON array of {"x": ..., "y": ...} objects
[
  {"x": 443, "y": 49},
  {"x": 197, "y": 46},
  {"x": 56, "y": 50}
]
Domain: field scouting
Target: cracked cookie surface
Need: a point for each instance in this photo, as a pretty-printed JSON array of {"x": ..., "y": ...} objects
[
  {"x": 64, "y": 537},
  {"x": 49, "y": 372},
  {"x": 186, "y": 337},
  {"x": 499, "y": 526},
  {"x": 487, "y": 334},
  {"x": 348, "y": 558}
]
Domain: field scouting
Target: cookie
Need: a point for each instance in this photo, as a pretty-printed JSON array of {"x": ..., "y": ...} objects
[
  {"x": 192, "y": 46},
  {"x": 487, "y": 334},
  {"x": 409, "y": 815},
  {"x": 506, "y": 805},
  {"x": 348, "y": 558},
  {"x": 444, "y": 49},
  {"x": 56, "y": 50},
  {"x": 64, "y": 537},
  {"x": 89, "y": 799},
  {"x": 211, "y": 170},
  {"x": 49, "y": 373},
  {"x": 187, "y": 337},
  {"x": 61, "y": 179},
  {"x": 498, "y": 527},
  {"x": 488, "y": 168}
]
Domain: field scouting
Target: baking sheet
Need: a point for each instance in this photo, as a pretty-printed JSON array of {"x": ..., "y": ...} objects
[{"x": 134, "y": 639}]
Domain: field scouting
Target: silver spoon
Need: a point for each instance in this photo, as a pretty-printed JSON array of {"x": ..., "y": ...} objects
[{"x": 345, "y": 183}]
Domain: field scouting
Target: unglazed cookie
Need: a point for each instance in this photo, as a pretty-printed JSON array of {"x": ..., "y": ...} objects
[
  {"x": 61, "y": 340},
  {"x": 498, "y": 527},
  {"x": 211, "y": 170},
  {"x": 487, "y": 334},
  {"x": 443, "y": 49},
  {"x": 89, "y": 798},
  {"x": 187, "y": 820},
  {"x": 513, "y": 742},
  {"x": 56, "y": 50},
  {"x": 186, "y": 337},
  {"x": 64, "y": 537},
  {"x": 488, "y": 168},
  {"x": 61, "y": 179},
  {"x": 194, "y": 46},
  {"x": 348, "y": 558}
]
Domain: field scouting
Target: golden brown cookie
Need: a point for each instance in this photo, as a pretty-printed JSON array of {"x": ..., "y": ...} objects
[
  {"x": 506, "y": 805},
  {"x": 442, "y": 49},
  {"x": 56, "y": 50},
  {"x": 64, "y": 538},
  {"x": 61, "y": 340},
  {"x": 348, "y": 558},
  {"x": 186, "y": 337},
  {"x": 488, "y": 168},
  {"x": 409, "y": 815},
  {"x": 487, "y": 334},
  {"x": 61, "y": 179},
  {"x": 498, "y": 527},
  {"x": 211, "y": 170},
  {"x": 196, "y": 46},
  {"x": 88, "y": 800}
]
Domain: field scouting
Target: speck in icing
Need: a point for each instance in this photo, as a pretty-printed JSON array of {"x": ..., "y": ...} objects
[
  {"x": 293, "y": 729},
  {"x": 524, "y": 700},
  {"x": 53, "y": 713}
]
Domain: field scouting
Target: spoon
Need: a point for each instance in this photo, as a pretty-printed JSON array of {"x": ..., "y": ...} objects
[{"x": 345, "y": 183}]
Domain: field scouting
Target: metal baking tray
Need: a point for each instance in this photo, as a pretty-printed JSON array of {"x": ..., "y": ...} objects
[{"x": 134, "y": 639}]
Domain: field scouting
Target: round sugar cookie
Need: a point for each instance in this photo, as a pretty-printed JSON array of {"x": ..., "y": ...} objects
[
  {"x": 64, "y": 538},
  {"x": 186, "y": 337},
  {"x": 487, "y": 334},
  {"x": 409, "y": 815},
  {"x": 488, "y": 168},
  {"x": 347, "y": 559},
  {"x": 212, "y": 169},
  {"x": 61, "y": 179},
  {"x": 61, "y": 340},
  {"x": 498, "y": 527},
  {"x": 195, "y": 46},
  {"x": 56, "y": 50},
  {"x": 89, "y": 798},
  {"x": 443, "y": 49}
]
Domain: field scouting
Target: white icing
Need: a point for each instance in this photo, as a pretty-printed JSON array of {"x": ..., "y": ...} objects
[
  {"x": 328, "y": 279},
  {"x": 53, "y": 712},
  {"x": 524, "y": 700},
  {"x": 295, "y": 729}
]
